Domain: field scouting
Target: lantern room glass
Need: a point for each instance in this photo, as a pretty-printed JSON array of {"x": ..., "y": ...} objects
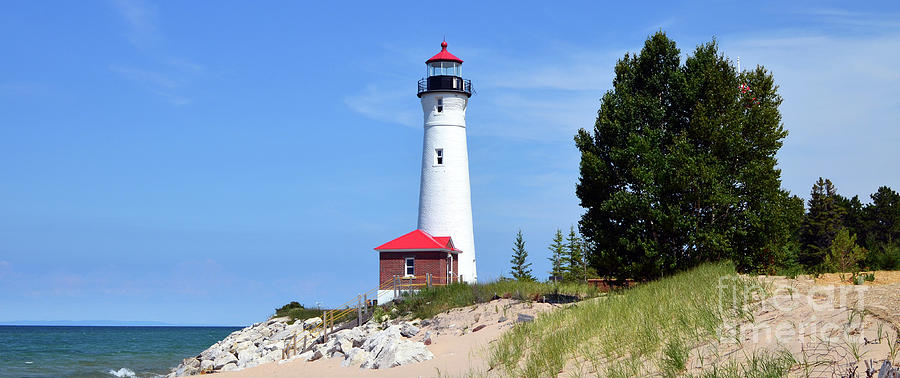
[{"x": 444, "y": 69}]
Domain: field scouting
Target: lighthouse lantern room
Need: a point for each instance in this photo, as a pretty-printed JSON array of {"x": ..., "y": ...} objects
[{"x": 445, "y": 201}]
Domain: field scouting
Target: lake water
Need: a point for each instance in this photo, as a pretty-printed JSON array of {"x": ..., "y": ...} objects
[{"x": 48, "y": 351}]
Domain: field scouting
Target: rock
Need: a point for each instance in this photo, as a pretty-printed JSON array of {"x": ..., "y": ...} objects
[
  {"x": 277, "y": 345},
  {"x": 248, "y": 356},
  {"x": 357, "y": 335},
  {"x": 272, "y": 356},
  {"x": 206, "y": 366},
  {"x": 244, "y": 346},
  {"x": 317, "y": 354},
  {"x": 355, "y": 357},
  {"x": 479, "y": 328},
  {"x": 311, "y": 323},
  {"x": 399, "y": 352},
  {"x": 376, "y": 342},
  {"x": 425, "y": 322},
  {"x": 189, "y": 366},
  {"x": 224, "y": 359},
  {"x": 305, "y": 356},
  {"x": 408, "y": 330},
  {"x": 523, "y": 318},
  {"x": 345, "y": 345},
  {"x": 231, "y": 366},
  {"x": 385, "y": 318},
  {"x": 502, "y": 319},
  {"x": 330, "y": 348}
]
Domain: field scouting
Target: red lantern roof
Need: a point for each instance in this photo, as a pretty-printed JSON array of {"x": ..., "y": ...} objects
[
  {"x": 444, "y": 55},
  {"x": 419, "y": 240}
]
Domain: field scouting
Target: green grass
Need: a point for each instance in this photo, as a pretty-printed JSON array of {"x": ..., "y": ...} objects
[
  {"x": 763, "y": 365},
  {"x": 649, "y": 328},
  {"x": 429, "y": 302}
]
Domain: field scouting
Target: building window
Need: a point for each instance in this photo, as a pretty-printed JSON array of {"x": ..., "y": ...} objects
[
  {"x": 439, "y": 156},
  {"x": 410, "y": 266},
  {"x": 440, "y": 104}
]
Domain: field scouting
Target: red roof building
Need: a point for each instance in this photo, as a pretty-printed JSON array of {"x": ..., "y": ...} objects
[{"x": 418, "y": 258}]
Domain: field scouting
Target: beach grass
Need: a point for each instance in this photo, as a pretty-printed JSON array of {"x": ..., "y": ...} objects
[{"x": 649, "y": 329}]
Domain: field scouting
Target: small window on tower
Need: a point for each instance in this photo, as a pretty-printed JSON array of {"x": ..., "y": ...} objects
[
  {"x": 410, "y": 266},
  {"x": 439, "y": 156},
  {"x": 440, "y": 104}
]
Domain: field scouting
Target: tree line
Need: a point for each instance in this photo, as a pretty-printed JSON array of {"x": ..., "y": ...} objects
[{"x": 568, "y": 260}]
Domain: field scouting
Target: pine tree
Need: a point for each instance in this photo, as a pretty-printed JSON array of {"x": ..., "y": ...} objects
[
  {"x": 883, "y": 217},
  {"x": 854, "y": 215},
  {"x": 844, "y": 254},
  {"x": 822, "y": 223},
  {"x": 557, "y": 256},
  {"x": 521, "y": 270},
  {"x": 576, "y": 266}
]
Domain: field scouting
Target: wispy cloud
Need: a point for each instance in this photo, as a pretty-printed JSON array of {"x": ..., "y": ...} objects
[
  {"x": 855, "y": 20},
  {"x": 141, "y": 19},
  {"x": 143, "y": 33},
  {"x": 385, "y": 105},
  {"x": 158, "y": 83}
]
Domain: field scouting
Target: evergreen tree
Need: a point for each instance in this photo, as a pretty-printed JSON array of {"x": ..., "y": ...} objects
[
  {"x": 883, "y": 217},
  {"x": 854, "y": 216},
  {"x": 575, "y": 265},
  {"x": 821, "y": 225},
  {"x": 521, "y": 270},
  {"x": 844, "y": 254},
  {"x": 557, "y": 256},
  {"x": 680, "y": 165}
]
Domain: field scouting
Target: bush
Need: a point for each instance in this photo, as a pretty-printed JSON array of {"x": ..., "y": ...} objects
[
  {"x": 885, "y": 257},
  {"x": 296, "y": 311},
  {"x": 428, "y": 302}
]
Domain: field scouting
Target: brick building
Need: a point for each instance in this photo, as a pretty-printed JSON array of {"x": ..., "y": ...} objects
[{"x": 415, "y": 260}]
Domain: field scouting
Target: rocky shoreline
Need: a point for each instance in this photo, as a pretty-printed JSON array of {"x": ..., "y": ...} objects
[{"x": 370, "y": 346}]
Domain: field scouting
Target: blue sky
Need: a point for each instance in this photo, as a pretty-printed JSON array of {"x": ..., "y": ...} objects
[{"x": 206, "y": 162}]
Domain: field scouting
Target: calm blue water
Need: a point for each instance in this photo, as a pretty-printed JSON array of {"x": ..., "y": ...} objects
[{"x": 39, "y": 351}]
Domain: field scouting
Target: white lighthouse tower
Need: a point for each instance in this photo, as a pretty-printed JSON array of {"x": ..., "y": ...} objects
[{"x": 445, "y": 200}]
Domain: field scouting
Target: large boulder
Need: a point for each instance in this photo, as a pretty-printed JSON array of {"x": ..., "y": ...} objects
[
  {"x": 399, "y": 352},
  {"x": 247, "y": 357},
  {"x": 376, "y": 342},
  {"x": 356, "y": 335},
  {"x": 355, "y": 357},
  {"x": 206, "y": 366},
  {"x": 224, "y": 359}
]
